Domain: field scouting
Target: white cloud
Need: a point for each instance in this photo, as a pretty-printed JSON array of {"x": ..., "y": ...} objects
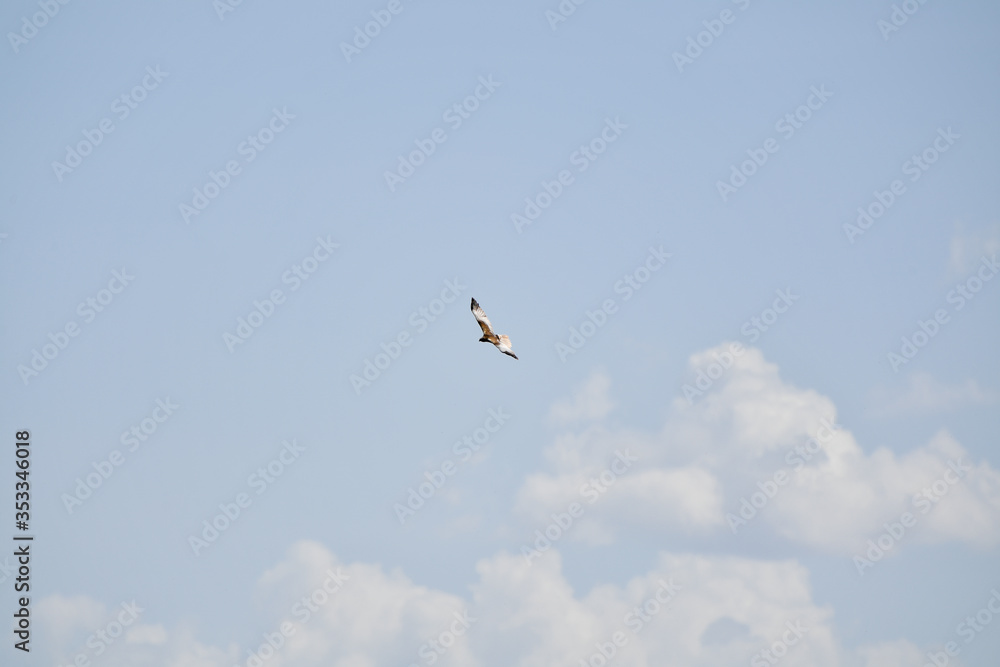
[
  {"x": 683, "y": 477},
  {"x": 77, "y": 626},
  {"x": 375, "y": 618},
  {"x": 747, "y": 413},
  {"x": 713, "y": 453},
  {"x": 590, "y": 469},
  {"x": 924, "y": 394},
  {"x": 687, "y": 610},
  {"x": 364, "y": 617},
  {"x": 841, "y": 496},
  {"x": 839, "y": 502}
]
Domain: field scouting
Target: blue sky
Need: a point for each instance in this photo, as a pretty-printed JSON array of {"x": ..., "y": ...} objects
[{"x": 259, "y": 111}]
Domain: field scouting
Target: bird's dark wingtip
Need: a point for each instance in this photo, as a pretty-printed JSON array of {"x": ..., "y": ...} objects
[{"x": 474, "y": 304}]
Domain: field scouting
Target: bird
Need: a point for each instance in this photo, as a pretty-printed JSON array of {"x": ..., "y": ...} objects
[{"x": 502, "y": 342}]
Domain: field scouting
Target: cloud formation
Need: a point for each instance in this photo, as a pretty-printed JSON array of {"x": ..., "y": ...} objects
[
  {"x": 755, "y": 448},
  {"x": 687, "y": 609}
]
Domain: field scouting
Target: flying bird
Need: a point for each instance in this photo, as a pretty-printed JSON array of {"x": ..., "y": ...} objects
[{"x": 502, "y": 342}]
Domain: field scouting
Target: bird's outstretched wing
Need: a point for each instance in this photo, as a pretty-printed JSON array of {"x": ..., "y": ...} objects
[
  {"x": 504, "y": 346},
  {"x": 484, "y": 322}
]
